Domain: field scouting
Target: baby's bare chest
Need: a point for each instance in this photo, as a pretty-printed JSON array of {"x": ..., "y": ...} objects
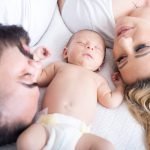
[{"x": 78, "y": 75}]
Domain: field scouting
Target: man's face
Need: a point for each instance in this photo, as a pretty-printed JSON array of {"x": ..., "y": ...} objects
[{"x": 18, "y": 73}]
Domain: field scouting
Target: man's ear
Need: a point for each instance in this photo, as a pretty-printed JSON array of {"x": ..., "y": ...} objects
[{"x": 65, "y": 53}]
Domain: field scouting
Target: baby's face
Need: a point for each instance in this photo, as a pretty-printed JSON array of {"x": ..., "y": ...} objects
[
  {"x": 18, "y": 73},
  {"x": 86, "y": 49}
]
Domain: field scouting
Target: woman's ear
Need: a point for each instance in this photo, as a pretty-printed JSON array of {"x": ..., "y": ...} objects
[{"x": 65, "y": 53}]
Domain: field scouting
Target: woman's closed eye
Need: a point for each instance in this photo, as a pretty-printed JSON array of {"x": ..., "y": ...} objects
[
  {"x": 141, "y": 48},
  {"x": 81, "y": 43}
]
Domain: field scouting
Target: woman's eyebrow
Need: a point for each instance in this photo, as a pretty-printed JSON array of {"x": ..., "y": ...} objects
[
  {"x": 120, "y": 67},
  {"x": 142, "y": 55},
  {"x": 136, "y": 56}
]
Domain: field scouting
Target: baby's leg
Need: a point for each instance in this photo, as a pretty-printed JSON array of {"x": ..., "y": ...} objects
[
  {"x": 93, "y": 142},
  {"x": 26, "y": 140}
]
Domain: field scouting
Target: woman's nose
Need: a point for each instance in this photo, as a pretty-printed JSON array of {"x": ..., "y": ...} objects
[{"x": 126, "y": 44}]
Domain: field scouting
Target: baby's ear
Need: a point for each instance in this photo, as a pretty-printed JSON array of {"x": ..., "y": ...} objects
[{"x": 65, "y": 53}]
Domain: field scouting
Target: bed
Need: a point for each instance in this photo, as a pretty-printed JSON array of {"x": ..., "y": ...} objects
[{"x": 116, "y": 125}]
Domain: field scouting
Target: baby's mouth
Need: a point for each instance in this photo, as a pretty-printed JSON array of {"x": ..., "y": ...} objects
[{"x": 87, "y": 55}]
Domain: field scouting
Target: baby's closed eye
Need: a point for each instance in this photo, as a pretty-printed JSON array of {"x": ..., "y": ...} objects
[{"x": 81, "y": 43}]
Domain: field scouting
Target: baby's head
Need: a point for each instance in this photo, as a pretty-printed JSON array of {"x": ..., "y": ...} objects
[
  {"x": 85, "y": 48},
  {"x": 18, "y": 92}
]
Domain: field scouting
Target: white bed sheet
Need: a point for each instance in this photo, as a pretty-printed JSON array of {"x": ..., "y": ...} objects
[{"x": 116, "y": 125}]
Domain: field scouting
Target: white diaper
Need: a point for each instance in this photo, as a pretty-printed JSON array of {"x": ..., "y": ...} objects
[{"x": 64, "y": 131}]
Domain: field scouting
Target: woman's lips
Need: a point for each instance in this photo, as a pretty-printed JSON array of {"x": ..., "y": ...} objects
[{"x": 123, "y": 30}]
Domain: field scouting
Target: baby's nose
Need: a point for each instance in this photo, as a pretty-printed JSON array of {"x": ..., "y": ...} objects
[{"x": 89, "y": 46}]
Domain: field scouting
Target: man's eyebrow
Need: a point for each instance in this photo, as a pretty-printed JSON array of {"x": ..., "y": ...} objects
[{"x": 29, "y": 85}]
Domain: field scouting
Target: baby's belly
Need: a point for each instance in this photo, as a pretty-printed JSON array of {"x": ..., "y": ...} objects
[{"x": 79, "y": 109}]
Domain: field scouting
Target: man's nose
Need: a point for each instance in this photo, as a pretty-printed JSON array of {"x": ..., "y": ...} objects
[
  {"x": 34, "y": 64},
  {"x": 34, "y": 69}
]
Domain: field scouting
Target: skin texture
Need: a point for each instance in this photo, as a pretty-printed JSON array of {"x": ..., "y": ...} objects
[{"x": 73, "y": 85}]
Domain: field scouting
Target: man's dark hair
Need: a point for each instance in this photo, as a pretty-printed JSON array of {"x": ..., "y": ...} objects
[
  {"x": 10, "y": 36},
  {"x": 9, "y": 132}
]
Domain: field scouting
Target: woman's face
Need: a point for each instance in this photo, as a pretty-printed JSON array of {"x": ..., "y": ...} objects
[
  {"x": 18, "y": 73},
  {"x": 132, "y": 45}
]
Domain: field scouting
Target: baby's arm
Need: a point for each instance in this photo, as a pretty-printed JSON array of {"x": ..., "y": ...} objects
[
  {"x": 109, "y": 98},
  {"x": 46, "y": 75},
  {"x": 41, "y": 53},
  {"x": 33, "y": 138}
]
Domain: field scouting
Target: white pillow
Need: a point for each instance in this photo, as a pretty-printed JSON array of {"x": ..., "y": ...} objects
[{"x": 34, "y": 15}]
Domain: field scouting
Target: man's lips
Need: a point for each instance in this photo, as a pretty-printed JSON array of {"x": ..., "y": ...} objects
[{"x": 123, "y": 30}]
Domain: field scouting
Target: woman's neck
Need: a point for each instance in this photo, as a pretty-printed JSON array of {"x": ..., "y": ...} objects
[{"x": 124, "y": 8}]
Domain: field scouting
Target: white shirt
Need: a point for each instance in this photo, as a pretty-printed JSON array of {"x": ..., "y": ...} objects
[{"x": 90, "y": 14}]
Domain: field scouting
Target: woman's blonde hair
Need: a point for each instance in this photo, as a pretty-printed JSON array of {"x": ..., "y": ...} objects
[{"x": 138, "y": 99}]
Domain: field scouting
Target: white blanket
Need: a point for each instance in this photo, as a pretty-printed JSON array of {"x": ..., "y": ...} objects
[
  {"x": 116, "y": 125},
  {"x": 34, "y": 16}
]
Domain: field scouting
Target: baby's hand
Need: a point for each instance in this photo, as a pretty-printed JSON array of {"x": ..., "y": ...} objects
[
  {"x": 116, "y": 78},
  {"x": 41, "y": 53}
]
